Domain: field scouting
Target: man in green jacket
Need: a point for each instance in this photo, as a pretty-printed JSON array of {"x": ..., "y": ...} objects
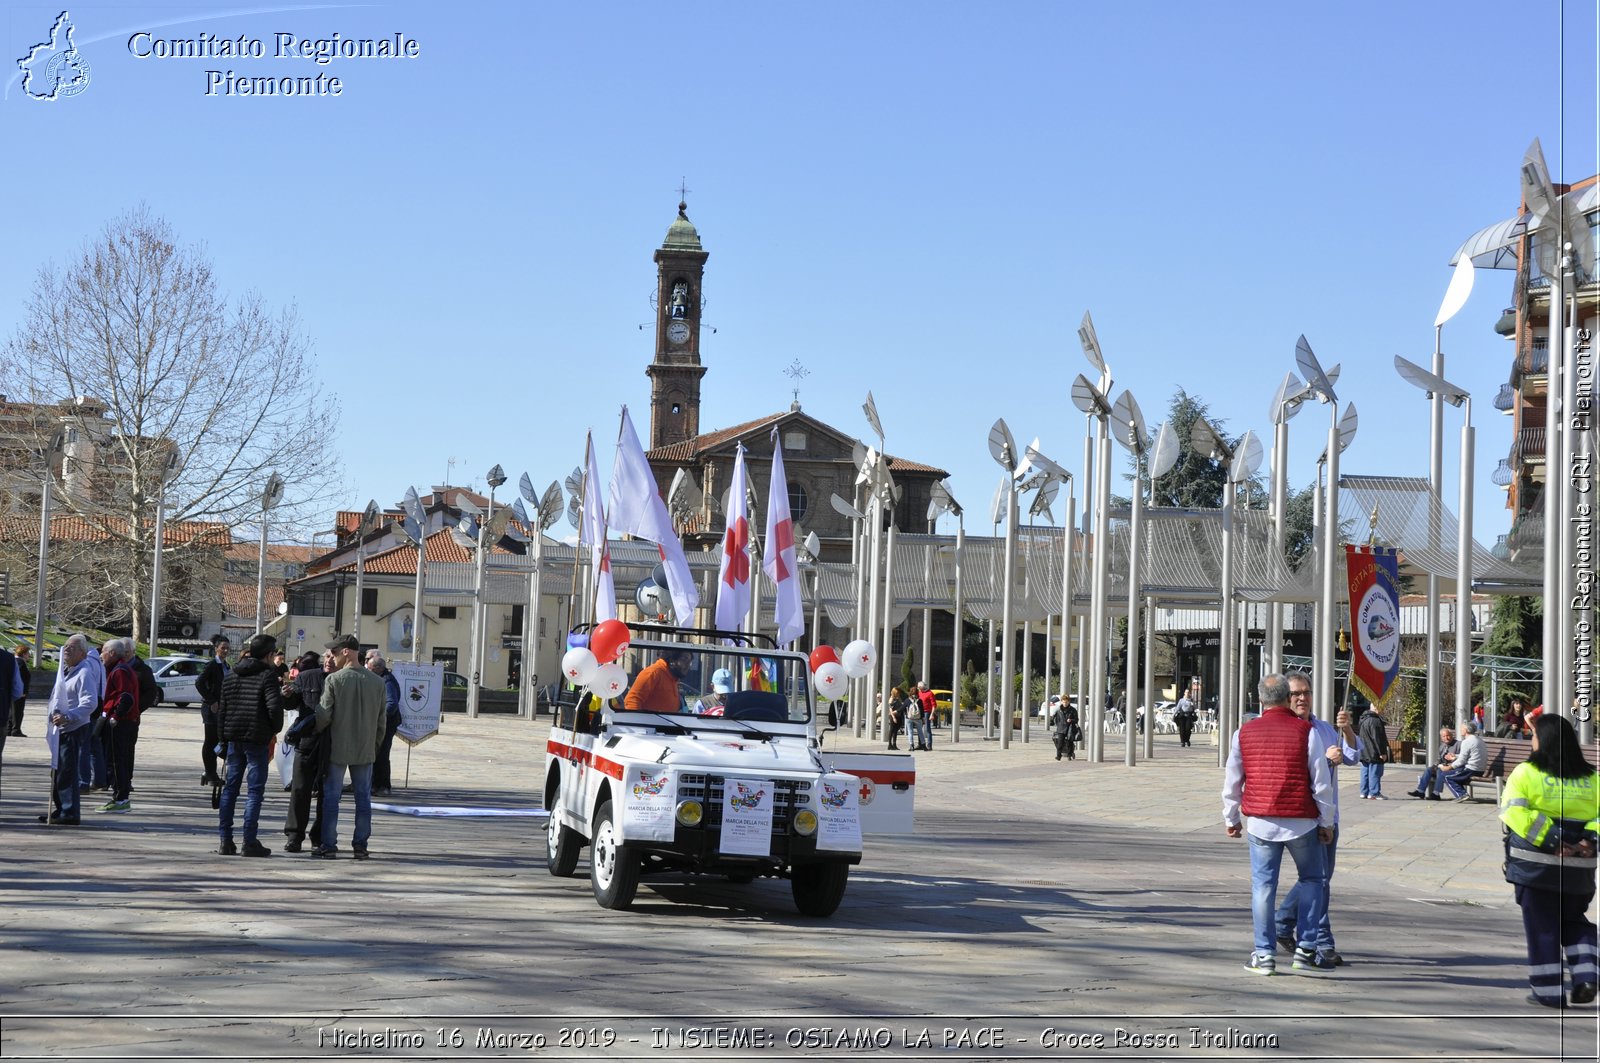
[{"x": 352, "y": 713}]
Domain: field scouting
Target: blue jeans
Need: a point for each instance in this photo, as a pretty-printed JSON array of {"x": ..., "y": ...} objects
[
  {"x": 64, "y": 785},
  {"x": 247, "y": 761},
  {"x": 1312, "y": 900},
  {"x": 925, "y": 729},
  {"x": 332, "y": 787},
  {"x": 1371, "y": 779},
  {"x": 1288, "y": 909}
]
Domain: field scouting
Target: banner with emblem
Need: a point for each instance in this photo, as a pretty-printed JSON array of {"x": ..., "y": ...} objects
[
  {"x": 1374, "y": 620},
  {"x": 747, "y": 807},
  {"x": 839, "y": 814}
]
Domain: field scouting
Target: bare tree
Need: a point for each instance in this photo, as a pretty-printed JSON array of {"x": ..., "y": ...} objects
[{"x": 148, "y": 363}]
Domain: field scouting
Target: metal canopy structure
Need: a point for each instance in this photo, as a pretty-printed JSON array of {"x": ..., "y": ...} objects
[{"x": 1402, "y": 504}]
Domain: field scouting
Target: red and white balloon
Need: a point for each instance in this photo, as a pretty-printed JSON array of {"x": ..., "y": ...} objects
[
  {"x": 578, "y": 665},
  {"x": 609, "y": 681},
  {"x": 609, "y": 640},
  {"x": 831, "y": 681},
  {"x": 858, "y": 658}
]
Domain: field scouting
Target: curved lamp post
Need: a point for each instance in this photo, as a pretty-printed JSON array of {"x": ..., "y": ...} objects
[
  {"x": 488, "y": 535},
  {"x": 271, "y": 495}
]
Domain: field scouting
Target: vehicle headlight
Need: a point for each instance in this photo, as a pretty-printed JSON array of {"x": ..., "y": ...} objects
[
  {"x": 690, "y": 813},
  {"x": 805, "y": 821}
]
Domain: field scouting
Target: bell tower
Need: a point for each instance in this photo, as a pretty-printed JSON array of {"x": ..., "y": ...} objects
[{"x": 676, "y": 370}]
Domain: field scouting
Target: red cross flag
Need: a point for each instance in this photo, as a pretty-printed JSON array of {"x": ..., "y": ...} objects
[
  {"x": 733, "y": 579},
  {"x": 780, "y": 564},
  {"x": 636, "y": 508}
]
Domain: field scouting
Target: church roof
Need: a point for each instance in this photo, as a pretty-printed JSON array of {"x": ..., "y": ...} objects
[
  {"x": 681, "y": 234},
  {"x": 689, "y": 451}
]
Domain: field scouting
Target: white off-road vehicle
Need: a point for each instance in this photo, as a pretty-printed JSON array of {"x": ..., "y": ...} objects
[{"x": 675, "y": 778}]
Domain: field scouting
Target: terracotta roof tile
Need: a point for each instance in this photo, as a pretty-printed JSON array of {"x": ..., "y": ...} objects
[
  {"x": 248, "y": 551},
  {"x": 80, "y": 529},
  {"x": 401, "y": 560}
]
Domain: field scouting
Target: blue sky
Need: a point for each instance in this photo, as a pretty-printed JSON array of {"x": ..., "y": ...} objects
[{"x": 920, "y": 199}]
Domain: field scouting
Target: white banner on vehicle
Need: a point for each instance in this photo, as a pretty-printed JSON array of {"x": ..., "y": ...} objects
[
  {"x": 747, "y": 816},
  {"x": 839, "y": 817},
  {"x": 420, "y": 688},
  {"x": 647, "y": 795}
]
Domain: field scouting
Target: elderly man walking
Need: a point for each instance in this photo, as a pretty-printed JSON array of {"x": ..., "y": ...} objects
[
  {"x": 391, "y": 707},
  {"x": 73, "y": 702},
  {"x": 1341, "y": 748},
  {"x": 1278, "y": 776},
  {"x": 352, "y": 713}
]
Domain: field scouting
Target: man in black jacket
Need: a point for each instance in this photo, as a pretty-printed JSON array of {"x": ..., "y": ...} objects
[
  {"x": 249, "y": 715},
  {"x": 209, "y": 687}
]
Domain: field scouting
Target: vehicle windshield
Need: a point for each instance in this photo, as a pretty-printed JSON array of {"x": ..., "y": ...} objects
[{"x": 738, "y": 683}]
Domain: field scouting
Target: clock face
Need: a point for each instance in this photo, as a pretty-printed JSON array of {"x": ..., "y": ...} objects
[{"x": 677, "y": 332}]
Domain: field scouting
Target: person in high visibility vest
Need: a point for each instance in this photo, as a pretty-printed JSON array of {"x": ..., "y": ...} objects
[{"x": 1550, "y": 806}]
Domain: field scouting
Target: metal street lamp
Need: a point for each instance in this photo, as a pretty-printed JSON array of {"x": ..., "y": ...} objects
[
  {"x": 1004, "y": 450},
  {"x": 488, "y": 535},
  {"x": 1441, "y": 390},
  {"x": 415, "y": 528},
  {"x": 370, "y": 518},
  {"x": 547, "y": 509},
  {"x": 1130, "y": 433},
  {"x": 271, "y": 495},
  {"x": 168, "y": 474},
  {"x": 1291, "y": 396},
  {"x": 58, "y": 442},
  {"x": 846, "y": 509},
  {"x": 945, "y": 502},
  {"x": 1094, "y": 401}
]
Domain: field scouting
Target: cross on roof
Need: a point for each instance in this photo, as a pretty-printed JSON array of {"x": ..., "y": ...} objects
[{"x": 796, "y": 372}]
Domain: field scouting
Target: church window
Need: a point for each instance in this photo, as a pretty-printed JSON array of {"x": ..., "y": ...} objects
[{"x": 797, "y": 502}]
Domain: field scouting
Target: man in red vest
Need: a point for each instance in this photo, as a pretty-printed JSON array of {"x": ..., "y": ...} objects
[{"x": 1278, "y": 776}]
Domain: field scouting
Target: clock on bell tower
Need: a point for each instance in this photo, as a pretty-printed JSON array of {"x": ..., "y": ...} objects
[{"x": 676, "y": 370}]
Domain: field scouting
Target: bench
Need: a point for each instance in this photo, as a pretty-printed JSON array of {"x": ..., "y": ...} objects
[{"x": 1501, "y": 757}]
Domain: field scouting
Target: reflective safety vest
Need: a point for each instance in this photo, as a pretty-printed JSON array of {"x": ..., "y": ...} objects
[{"x": 1540, "y": 811}]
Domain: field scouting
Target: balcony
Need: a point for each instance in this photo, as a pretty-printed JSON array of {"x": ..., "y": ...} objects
[
  {"x": 1506, "y": 399},
  {"x": 1527, "y": 445},
  {"x": 1502, "y": 475},
  {"x": 1507, "y": 325}
]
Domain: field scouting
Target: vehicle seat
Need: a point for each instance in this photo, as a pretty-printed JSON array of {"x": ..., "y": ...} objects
[{"x": 759, "y": 706}]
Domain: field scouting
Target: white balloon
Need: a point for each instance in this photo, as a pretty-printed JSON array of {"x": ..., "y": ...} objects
[
  {"x": 831, "y": 681},
  {"x": 579, "y": 665},
  {"x": 609, "y": 681},
  {"x": 858, "y": 658}
]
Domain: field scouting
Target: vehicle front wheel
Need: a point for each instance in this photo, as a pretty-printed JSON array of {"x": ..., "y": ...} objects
[
  {"x": 818, "y": 888},
  {"x": 561, "y": 843},
  {"x": 613, "y": 867}
]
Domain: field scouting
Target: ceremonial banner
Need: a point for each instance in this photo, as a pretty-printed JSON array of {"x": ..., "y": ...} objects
[
  {"x": 420, "y": 688},
  {"x": 1374, "y": 620}
]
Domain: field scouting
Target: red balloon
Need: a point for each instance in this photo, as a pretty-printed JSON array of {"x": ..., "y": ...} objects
[
  {"x": 823, "y": 655},
  {"x": 609, "y": 640}
]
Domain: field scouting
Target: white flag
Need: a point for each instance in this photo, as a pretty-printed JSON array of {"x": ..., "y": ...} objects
[
  {"x": 637, "y": 509},
  {"x": 733, "y": 578},
  {"x": 593, "y": 532},
  {"x": 780, "y": 564}
]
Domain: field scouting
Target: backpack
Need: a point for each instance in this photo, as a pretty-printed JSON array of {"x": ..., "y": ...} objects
[{"x": 149, "y": 689}]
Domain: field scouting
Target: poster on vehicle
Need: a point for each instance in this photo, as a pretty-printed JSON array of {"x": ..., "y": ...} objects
[
  {"x": 420, "y": 688},
  {"x": 839, "y": 817},
  {"x": 647, "y": 794},
  {"x": 747, "y": 817}
]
